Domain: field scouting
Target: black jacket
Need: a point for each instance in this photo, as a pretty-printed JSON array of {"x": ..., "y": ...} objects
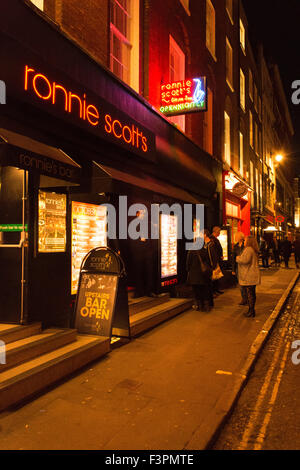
[
  {"x": 217, "y": 248},
  {"x": 237, "y": 251},
  {"x": 196, "y": 275}
]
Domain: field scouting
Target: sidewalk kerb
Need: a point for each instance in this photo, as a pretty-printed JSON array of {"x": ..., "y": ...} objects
[{"x": 207, "y": 434}]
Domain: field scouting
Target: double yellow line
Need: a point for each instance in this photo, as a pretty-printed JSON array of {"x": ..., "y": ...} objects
[{"x": 255, "y": 415}]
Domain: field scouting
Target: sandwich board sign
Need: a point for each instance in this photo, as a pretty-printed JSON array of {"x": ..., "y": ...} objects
[{"x": 102, "y": 303}]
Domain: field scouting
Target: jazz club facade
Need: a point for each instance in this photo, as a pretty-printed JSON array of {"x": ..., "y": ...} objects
[{"x": 73, "y": 137}]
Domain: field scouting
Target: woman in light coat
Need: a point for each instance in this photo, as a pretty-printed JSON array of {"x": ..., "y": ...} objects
[{"x": 248, "y": 272}]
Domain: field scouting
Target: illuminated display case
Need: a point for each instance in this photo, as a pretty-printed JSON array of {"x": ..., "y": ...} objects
[
  {"x": 223, "y": 239},
  {"x": 52, "y": 222},
  {"x": 88, "y": 232},
  {"x": 168, "y": 224}
]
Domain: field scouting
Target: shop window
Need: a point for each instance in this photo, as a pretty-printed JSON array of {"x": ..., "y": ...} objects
[
  {"x": 229, "y": 64},
  {"x": 211, "y": 28},
  {"x": 176, "y": 73},
  {"x": 242, "y": 37},
  {"x": 242, "y": 90},
  {"x": 208, "y": 124},
  {"x": 186, "y": 5},
  {"x": 232, "y": 210},
  {"x": 39, "y": 4},
  {"x": 124, "y": 41},
  {"x": 229, "y": 8},
  {"x": 241, "y": 162},
  {"x": 227, "y": 140}
]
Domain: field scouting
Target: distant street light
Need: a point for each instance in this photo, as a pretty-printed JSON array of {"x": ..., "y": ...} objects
[{"x": 279, "y": 158}]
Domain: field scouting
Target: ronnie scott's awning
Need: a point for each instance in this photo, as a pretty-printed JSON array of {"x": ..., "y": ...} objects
[
  {"x": 107, "y": 179},
  {"x": 28, "y": 154}
]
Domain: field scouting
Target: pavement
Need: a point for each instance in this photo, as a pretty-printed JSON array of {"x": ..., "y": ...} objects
[{"x": 172, "y": 388}]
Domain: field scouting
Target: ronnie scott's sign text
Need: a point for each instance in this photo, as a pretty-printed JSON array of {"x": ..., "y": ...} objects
[
  {"x": 182, "y": 97},
  {"x": 119, "y": 128}
]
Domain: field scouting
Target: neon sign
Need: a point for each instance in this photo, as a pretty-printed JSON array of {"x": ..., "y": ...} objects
[
  {"x": 77, "y": 105},
  {"x": 183, "y": 97}
]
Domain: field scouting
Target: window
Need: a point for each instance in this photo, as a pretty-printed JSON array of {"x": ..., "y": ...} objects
[
  {"x": 229, "y": 8},
  {"x": 242, "y": 37},
  {"x": 176, "y": 73},
  {"x": 124, "y": 41},
  {"x": 251, "y": 128},
  {"x": 255, "y": 96},
  {"x": 227, "y": 146},
  {"x": 232, "y": 210},
  {"x": 252, "y": 181},
  {"x": 229, "y": 64},
  {"x": 186, "y": 6},
  {"x": 211, "y": 28},
  {"x": 251, "y": 85},
  {"x": 39, "y": 4},
  {"x": 208, "y": 124},
  {"x": 241, "y": 163},
  {"x": 242, "y": 90}
]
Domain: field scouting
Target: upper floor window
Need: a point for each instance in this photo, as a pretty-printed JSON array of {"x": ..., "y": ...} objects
[
  {"x": 229, "y": 8},
  {"x": 39, "y": 4},
  {"x": 251, "y": 135},
  {"x": 124, "y": 40},
  {"x": 227, "y": 139},
  {"x": 242, "y": 36},
  {"x": 251, "y": 84},
  {"x": 242, "y": 90},
  {"x": 211, "y": 28},
  {"x": 241, "y": 162},
  {"x": 229, "y": 64},
  {"x": 176, "y": 73},
  {"x": 186, "y": 5}
]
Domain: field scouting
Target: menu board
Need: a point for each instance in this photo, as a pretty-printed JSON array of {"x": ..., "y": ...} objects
[
  {"x": 223, "y": 239},
  {"x": 168, "y": 245},
  {"x": 95, "y": 303},
  {"x": 88, "y": 232},
  {"x": 52, "y": 222}
]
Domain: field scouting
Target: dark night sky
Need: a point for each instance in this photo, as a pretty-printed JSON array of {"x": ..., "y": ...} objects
[{"x": 276, "y": 23}]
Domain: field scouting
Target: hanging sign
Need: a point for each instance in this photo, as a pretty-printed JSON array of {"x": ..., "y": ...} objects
[{"x": 183, "y": 97}]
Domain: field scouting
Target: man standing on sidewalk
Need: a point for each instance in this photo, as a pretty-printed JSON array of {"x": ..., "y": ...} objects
[
  {"x": 219, "y": 256},
  {"x": 286, "y": 249},
  {"x": 297, "y": 251}
]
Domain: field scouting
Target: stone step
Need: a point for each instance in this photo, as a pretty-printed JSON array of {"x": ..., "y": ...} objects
[
  {"x": 24, "y": 381},
  {"x": 149, "y": 318},
  {"x": 10, "y": 333},
  {"x": 25, "y": 349},
  {"x": 144, "y": 303}
]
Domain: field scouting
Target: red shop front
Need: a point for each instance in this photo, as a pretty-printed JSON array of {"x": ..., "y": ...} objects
[{"x": 237, "y": 204}]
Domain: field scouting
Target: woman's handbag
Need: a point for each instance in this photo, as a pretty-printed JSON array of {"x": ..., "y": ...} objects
[{"x": 217, "y": 272}]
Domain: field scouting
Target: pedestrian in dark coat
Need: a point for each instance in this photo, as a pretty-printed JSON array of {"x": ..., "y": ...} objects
[
  {"x": 286, "y": 250},
  {"x": 264, "y": 250},
  {"x": 218, "y": 255},
  {"x": 297, "y": 251},
  {"x": 199, "y": 270},
  {"x": 237, "y": 251}
]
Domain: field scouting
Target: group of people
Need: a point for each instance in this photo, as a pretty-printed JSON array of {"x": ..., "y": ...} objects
[
  {"x": 204, "y": 268},
  {"x": 279, "y": 249}
]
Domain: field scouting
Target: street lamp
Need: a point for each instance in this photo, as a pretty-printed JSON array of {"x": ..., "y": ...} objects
[{"x": 279, "y": 158}]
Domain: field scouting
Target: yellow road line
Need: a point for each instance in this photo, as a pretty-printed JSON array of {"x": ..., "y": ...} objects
[
  {"x": 262, "y": 432},
  {"x": 253, "y": 418}
]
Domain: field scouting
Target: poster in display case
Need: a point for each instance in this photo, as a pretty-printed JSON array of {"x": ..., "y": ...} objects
[
  {"x": 168, "y": 245},
  {"x": 224, "y": 239},
  {"x": 88, "y": 232},
  {"x": 52, "y": 222}
]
